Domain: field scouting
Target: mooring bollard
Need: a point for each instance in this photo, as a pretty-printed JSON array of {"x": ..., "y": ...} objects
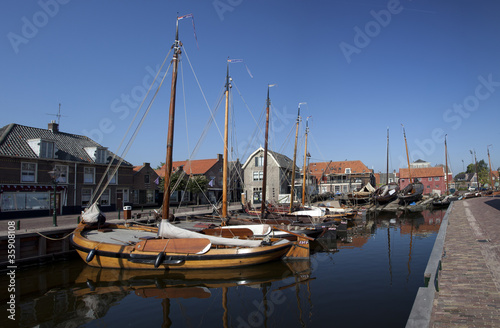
[
  {"x": 18, "y": 225},
  {"x": 78, "y": 219}
]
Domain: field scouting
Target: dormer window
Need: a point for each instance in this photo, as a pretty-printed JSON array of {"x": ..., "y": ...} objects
[
  {"x": 43, "y": 148},
  {"x": 98, "y": 154},
  {"x": 259, "y": 161},
  {"x": 347, "y": 170}
]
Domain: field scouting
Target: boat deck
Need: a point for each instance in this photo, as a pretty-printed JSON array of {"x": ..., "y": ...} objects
[{"x": 122, "y": 237}]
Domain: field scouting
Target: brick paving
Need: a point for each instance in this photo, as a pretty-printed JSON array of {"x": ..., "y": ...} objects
[{"x": 469, "y": 282}]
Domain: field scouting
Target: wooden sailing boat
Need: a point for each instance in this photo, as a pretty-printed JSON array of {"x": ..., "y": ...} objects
[
  {"x": 389, "y": 191},
  {"x": 413, "y": 191},
  {"x": 169, "y": 247}
]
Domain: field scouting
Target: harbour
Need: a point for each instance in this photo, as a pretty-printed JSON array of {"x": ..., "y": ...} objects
[{"x": 376, "y": 263}]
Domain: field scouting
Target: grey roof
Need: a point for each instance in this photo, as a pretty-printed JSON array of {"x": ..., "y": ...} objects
[
  {"x": 71, "y": 147},
  {"x": 283, "y": 161}
]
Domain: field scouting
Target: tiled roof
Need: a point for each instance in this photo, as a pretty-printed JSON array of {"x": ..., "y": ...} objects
[
  {"x": 196, "y": 166},
  {"x": 71, "y": 147},
  {"x": 357, "y": 167},
  {"x": 425, "y": 172},
  {"x": 282, "y": 160}
]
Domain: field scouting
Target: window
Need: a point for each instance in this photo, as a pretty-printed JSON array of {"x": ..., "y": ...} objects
[
  {"x": 430, "y": 179},
  {"x": 28, "y": 172},
  {"x": 146, "y": 178},
  {"x": 436, "y": 179},
  {"x": 348, "y": 170},
  {"x": 101, "y": 155},
  {"x": 20, "y": 201},
  {"x": 150, "y": 196},
  {"x": 258, "y": 176},
  {"x": 105, "y": 198},
  {"x": 257, "y": 195},
  {"x": 259, "y": 161},
  {"x": 88, "y": 174},
  {"x": 46, "y": 149},
  {"x": 63, "y": 173},
  {"x": 86, "y": 196},
  {"x": 113, "y": 179}
]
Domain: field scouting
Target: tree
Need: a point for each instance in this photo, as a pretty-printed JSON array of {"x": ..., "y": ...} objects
[
  {"x": 160, "y": 166},
  {"x": 173, "y": 182},
  {"x": 483, "y": 171}
]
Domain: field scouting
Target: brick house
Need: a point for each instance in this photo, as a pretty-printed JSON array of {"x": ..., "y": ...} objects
[
  {"x": 279, "y": 173},
  {"x": 145, "y": 191},
  {"x": 212, "y": 170},
  {"x": 28, "y": 154},
  {"x": 433, "y": 179},
  {"x": 341, "y": 177}
]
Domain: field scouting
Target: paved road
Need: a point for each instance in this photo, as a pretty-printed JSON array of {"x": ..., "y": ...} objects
[{"x": 469, "y": 282}]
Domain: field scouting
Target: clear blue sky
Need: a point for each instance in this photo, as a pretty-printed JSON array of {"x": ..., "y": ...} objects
[{"x": 361, "y": 67}]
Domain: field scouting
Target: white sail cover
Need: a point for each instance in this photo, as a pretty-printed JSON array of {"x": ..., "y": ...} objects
[
  {"x": 168, "y": 230},
  {"x": 91, "y": 214},
  {"x": 312, "y": 211},
  {"x": 257, "y": 229}
]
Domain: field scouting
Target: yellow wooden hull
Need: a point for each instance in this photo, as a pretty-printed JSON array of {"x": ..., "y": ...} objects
[{"x": 120, "y": 256}]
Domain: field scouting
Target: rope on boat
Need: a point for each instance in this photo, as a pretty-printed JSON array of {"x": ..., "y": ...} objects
[{"x": 50, "y": 238}]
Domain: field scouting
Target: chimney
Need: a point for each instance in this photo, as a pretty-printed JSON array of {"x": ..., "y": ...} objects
[
  {"x": 219, "y": 157},
  {"x": 53, "y": 126}
]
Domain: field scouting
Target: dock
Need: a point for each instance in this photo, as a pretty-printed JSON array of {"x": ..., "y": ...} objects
[
  {"x": 463, "y": 272},
  {"x": 37, "y": 240}
]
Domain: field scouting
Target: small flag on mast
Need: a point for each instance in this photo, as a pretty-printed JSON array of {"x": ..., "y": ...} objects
[{"x": 194, "y": 30}]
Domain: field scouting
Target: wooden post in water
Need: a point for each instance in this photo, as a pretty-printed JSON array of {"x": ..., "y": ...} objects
[{"x": 171, "y": 118}]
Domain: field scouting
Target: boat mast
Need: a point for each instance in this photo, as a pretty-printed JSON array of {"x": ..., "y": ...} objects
[
  {"x": 305, "y": 168},
  {"x": 446, "y": 162},
  {"x": 407, "y": 157},
  {"x": 264, "y": 174},
  {"x": 294, "y": 159},
  {"x": 387, "y": 174},
  {"x": 489, "y": 161},
  {"x": 171, "y": 116},
  {"x": 224, "y": 167}
]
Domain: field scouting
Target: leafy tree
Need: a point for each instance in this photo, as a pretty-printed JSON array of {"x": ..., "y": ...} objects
[
  {"x": 197, "y": 184},
  {"x": 482, "y": 170},
  {"x": 160, "y": 166},
  {"x": 173, "y": 181}
]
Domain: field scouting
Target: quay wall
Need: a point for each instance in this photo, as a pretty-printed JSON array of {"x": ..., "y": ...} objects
[{"x": 420, "y": 315}]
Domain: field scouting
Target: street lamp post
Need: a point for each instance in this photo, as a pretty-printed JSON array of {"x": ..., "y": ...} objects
[{"x": 54, "y": 175}]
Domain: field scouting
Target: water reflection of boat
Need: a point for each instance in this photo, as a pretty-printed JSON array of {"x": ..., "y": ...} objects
[{"x": 97, "y": 283}]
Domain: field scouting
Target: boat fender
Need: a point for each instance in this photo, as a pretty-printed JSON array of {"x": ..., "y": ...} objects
[
  {"x": 266, "y": 241},
  {"x": 91, "y": 255},
  {"x": 159, "y": 260}
]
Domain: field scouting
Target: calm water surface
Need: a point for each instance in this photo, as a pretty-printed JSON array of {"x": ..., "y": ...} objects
[{"x": 366, "y": 277}]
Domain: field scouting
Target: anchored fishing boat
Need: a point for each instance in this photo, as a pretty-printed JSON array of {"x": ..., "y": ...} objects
[
  {"x": 169, "y": 247},
  {"x": 414, "y": 190},
  {"x": 389, "y": 191}
]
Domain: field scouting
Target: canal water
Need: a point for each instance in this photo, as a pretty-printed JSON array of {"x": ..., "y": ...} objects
[{"x": 366, "y": 276}]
